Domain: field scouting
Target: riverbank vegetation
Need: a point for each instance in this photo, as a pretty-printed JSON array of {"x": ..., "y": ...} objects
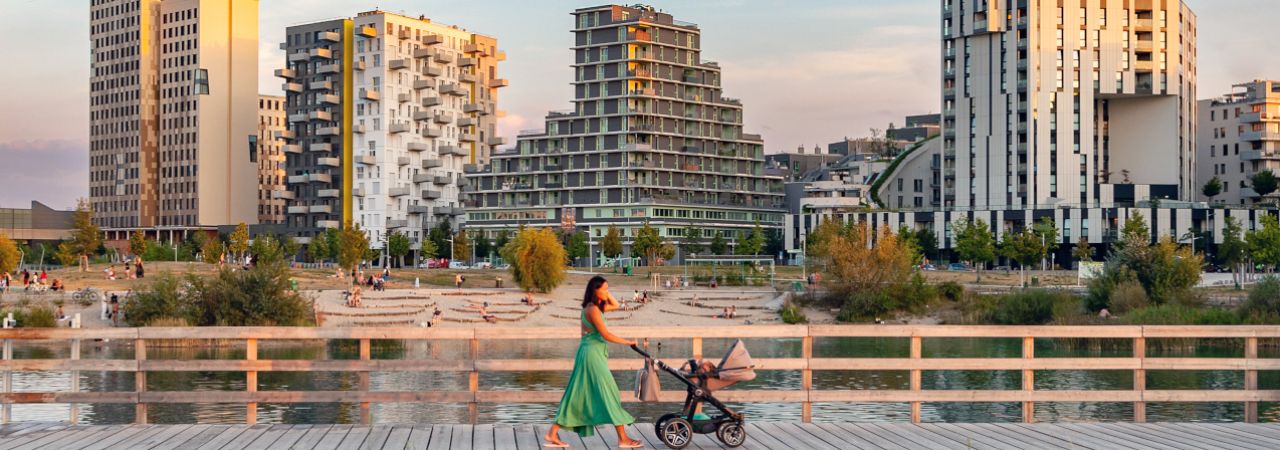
[{"x": 258, "y": 296}]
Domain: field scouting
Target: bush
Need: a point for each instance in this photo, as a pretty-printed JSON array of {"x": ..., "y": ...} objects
[
  {"x": 863, "y": 305},
  {"x": 1181, "y": 315},
  {"x": 792, "y": 314},
  {"x": 260, "y": 296},
  {"x": 169, "y": 322},
  {"x": 1264, "y": 299},
  {"x": 1128, "y": 296},
  {"x": 951, "y": 290},
  {"x": 1027, "y": 307},
  {"x": 39, "y": 317}
]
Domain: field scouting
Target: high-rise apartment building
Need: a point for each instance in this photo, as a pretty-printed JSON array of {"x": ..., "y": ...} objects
[
  {"x": 174, "y": 90},
  {"x": 384, "y": 112},
  {"x": 1075, "y": 102},
  {"x": 270, "y": 158},
  {"x": 1239, "y": 136},
  {"x": 650, "y": 139}
]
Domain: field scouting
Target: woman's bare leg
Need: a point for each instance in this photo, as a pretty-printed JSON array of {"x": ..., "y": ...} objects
[
  {"x": 622, "y": 435},
  {"x": 553, "y": 435}
]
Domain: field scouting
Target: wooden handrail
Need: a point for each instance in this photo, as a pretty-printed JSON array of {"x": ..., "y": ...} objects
[{"x": 472, "y": 363}]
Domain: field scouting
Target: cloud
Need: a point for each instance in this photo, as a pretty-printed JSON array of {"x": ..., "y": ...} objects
[{"x": 55, "y": 172}]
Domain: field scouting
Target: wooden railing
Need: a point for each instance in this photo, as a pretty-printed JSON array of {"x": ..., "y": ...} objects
[{"x": 472, "y": 364}]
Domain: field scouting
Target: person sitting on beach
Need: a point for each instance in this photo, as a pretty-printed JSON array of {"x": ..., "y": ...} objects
[
  {"x": 60, "y": 314},
  {"x": 724, "y": 314},
  {"x": 57, "y": 285},
  {"x": 645, "y": 297},
  {"x": 1104, "y": 314},
  {"x": 484, "y": 314},
  {"x": 435, "y": 317},
  {"x": 353, "y": 300}
]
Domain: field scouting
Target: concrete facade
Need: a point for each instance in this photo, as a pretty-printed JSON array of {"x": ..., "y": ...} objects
[
  {"x": 385, "y": 112},
  {"x": 1049, "y": 104},
  {"x": 650, "y": 139},
  {"x": 1239, "y": 136},
  {"x": 270, "y": 158}
]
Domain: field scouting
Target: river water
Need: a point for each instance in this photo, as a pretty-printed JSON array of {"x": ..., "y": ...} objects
[{"x": 671, "y": 351}]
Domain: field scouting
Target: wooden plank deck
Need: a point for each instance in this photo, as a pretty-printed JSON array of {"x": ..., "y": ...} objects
[{"x": 760, "y": 435}]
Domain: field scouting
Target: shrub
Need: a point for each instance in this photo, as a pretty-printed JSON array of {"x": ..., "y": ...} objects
[
  {"x": 260, "y": 296},
  {"x": 39, "y": 317},
  {"x": 951, "y": 290},
  {"x": 1027, "y": 307},
  {"x": 169, "y": 322},
  {"x": 1264, "y": 299},
  {"x": 537, "y": 259},
  {"x": 1128, "y": 296},
  {"x": 1181, "y": 315},
  {"x": 792, "y": 314},
  {"x": 865, "y": 304}
]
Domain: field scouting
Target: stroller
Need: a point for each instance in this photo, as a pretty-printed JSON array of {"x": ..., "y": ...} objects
[{"x": 701, "y": 380}]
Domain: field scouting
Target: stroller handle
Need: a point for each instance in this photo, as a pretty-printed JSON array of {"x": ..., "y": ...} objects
[{"x": 641, "y": 352}]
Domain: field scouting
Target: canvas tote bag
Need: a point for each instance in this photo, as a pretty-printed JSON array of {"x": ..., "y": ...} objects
[{"x": 647, "y": 384}]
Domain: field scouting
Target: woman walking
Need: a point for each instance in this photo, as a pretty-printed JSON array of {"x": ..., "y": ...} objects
[{"x": 591, "y": 397}]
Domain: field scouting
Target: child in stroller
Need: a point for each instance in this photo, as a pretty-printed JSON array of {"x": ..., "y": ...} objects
[{"x": 701, "y": 380}]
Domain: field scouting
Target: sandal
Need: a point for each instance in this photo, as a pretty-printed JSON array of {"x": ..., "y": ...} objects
[
  {"x": 554, "y": 443},
  {"x": 633, "y": 444}
]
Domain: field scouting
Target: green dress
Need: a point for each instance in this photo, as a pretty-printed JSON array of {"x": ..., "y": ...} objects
[{"x": 591, "y": 397}]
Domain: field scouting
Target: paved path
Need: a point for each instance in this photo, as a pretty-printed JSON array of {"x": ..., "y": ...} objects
[{"x": 761, "y": 435}]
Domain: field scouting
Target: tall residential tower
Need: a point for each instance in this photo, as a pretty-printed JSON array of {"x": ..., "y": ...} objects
[{"x": 650, "y": 139}]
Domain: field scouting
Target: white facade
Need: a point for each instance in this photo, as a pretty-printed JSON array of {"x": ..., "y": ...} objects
[
  {"x": 1239, "y": 136},
  {"x": 1047, "y": 105}
]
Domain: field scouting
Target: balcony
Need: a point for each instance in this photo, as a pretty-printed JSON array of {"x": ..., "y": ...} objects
[
  {"x": 328, "y": 193},
  {"x": 466, "y": 121},
  {"x": 328, "y": 131},
  {"x": 397, "y": 223},
  {"x": 497, "y": 140},
  {"x": 357, "y": 191},
  {"x": 419, "y": 209},
  {"x": 286, "y": 73},
  {"x": 1255, "y": 155},
  {"x": 457, "y": 211},
  {"x": 292, "y": 87},
  {"x": 453, "y": 89},
  {"x": 423, "y": 84},
  {"x": 422, "y": 53},
  {"x": 358, "y": 65},
  {"x": 430, "y": 163},
  {"x": 320, "y": 178},
  {"x": 1143, "y": 24},
  {"x": 369, "y": 94},
  {"x": 1145, "y": 66},
  {"x": 404, "y": 98},
  {"x": 440, "y": 180},
  {"x": 367, "y": 160},
  {"x": 297, "y": 209},
  {"x": 1252, "y": 117},
  {"x": 433, "y": 71},
  {"x": 329, "y": 68},
  {"x": 299, "y": 57},
  {"x": 472, "y": 48},
  {"x": 453, "y": 150},
  {"x": 367, "y": 31},
  {"x": 472, "y": 108},
  {"x": 398, "y": 191},
  {"x": 1143, "y": 46},
  {"x": 331, "y": 162},
  {"x": 321, "y": 147},
  {"x": 293, "y": 148},
  {"x": 443, "y": 210},
  {"x": 433, "y": 132},
  {"x": 466, "y": 77},
  {"x": 443, "y": 57},
  {"x": 328, "y": 224},
  {"x": 466, "y": 62},
  {"x": 357, "y": 129},
  {"x": 321, "y": 115},
  {"x": 402, "y": 161},
  {"x": 1260, "y": 136},
  {"x": 398, "y": 127},
  {"x": 432, "y": 39},
  {"x": 322, "y": 53},
  {"x": 498, "y": 82},
  {"x": 467, "y": 137},
  {"x": 398, "y": 64},
  {"x": 331, "y": 36},
  {"x": 296, "y": 179},
  {"x": 404, "y": 34},
  {"x": 444, "y": 117},
  {"x": 422, "y": 178},
  {"x": 430, "y": 194},
  {"x": 321, "y": 209},
  {"x": 287, "y": 195},
  {"x": 330, "y": 99},
  {"x": 419, "y": 116},
  {"x": 320, "y": 85},
  {"x": 299, "y": 117},
  {"x": 500, "y": 55},
  {"x": 416, "y": 146}
]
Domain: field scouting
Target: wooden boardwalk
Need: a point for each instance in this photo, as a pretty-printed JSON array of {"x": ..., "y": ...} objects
[{"x": 761, "y": 435}]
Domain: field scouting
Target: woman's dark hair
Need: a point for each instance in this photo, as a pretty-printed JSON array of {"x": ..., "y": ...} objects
[{"x": 589, "y": 298}]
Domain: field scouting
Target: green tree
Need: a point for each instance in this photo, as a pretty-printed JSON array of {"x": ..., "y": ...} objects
[
  {"x": 238, "y": 242},
  {"x": 974, "y": 243},
  {"x": 691, "y": 242},
  {"x": 1047, "y": 231},
  {"x": 754, "y": 243},
  {"x": 260, "y": 296},
  {"x": 86, "y": 237},
  {"x": 908, "y": 239},
  {"x": 1263, "y": 182},
  {"x": 352, "y": 246},
  {"x": 1212, "y": 188},
  {"x": 718, "y": 245},
  {"x": 1023, "y": 247},
  {"x": 646, "y": 244},
  {"x": 398, "y": 245},
  {"x": 9, "y": 255},
  {"x": 611, "y": 245},
  {"x": 537, "y": 259},
  {"x": 289, "y": 246},
  {"x": 1264, "y": 242},
  {"x": 461, "y": 246},
  {"x": 317, "y": 249},
  {"x": 212, "y": 251},
  {"x": 578, "y": 246},
  {"x": 1134, "y": 232},
  {"x": 266, "y": 249},
  {"x": 137, "y": 242},
  {"x": 484, "y": 246},
  {"x": 928, "y": 242},
  {"x": 428, "y": 249},
  {"x": 1231, "y": 252},
  {"x": 504, "y": 237},
  {"x": 440, "y": 235},
  {"x": 1082, "y": 251}
]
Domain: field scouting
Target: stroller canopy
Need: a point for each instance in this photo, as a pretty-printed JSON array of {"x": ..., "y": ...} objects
[{"x": 736, "y": 364}]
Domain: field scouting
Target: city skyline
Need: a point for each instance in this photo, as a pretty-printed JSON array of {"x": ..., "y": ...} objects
[{"x": 821, "y": 84}]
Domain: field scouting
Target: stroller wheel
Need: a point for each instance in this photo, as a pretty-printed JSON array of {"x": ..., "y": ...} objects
[
  {"x": 731, "y": 434},
  {"x": 676, "y": 433},
  {"x": 663, "y": 420}
]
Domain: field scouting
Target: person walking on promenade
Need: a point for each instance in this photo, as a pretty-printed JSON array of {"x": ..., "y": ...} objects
[{"x": 591, "y": 397}]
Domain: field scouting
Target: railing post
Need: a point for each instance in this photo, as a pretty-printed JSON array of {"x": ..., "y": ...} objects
[
  {"x": 1028, "y": 379},
  {"x": 1251, "y": 377},
  {"x": 697, "y": 348},
  {"x": 364, "y": 382},
  {"x": 806, "y": 379},
  {"x": 140, "y": 381},
  {"x": 74, "y": 409},
  {"x": 6, "y": 412},
  {"x": 251, "y": 381},
  {"x": 1140, "y": 379},
  {"x": 473, "y": 381},
  {"x": 916, "y": 352}
]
